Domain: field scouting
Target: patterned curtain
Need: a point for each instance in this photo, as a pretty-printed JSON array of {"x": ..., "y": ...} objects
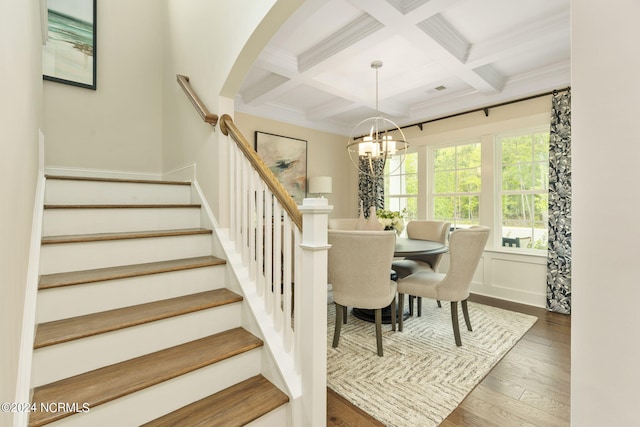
[
  {"x": 371, "y": 189},
  {"x": 559, "y": 251}
]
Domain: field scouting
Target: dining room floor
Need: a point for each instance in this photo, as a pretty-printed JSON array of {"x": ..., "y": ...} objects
[{"x": 529, "y": 386}]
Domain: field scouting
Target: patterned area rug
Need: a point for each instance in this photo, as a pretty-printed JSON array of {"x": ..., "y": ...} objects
[{"x": 422, "y": 376}]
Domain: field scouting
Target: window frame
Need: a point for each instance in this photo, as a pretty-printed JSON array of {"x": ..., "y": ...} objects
[
  {"x": 401, "y": 171},
  {"x": 430, "y": 182},
  {"x": 499, "y": 192}
]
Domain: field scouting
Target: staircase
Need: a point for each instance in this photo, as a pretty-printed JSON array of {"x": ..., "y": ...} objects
[{"x": 134, "y": 323}]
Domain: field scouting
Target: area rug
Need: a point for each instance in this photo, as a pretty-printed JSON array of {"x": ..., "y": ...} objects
[{"x": 422, "y": 376}]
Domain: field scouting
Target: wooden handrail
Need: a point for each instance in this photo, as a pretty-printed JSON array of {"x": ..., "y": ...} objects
[
  {"x": 212, "y": 119},
  {"x": 286, "y": 201}
]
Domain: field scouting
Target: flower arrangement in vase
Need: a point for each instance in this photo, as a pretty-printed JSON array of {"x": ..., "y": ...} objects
[{"x": 392, "y": 220}]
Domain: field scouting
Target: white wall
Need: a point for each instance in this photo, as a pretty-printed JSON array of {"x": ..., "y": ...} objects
[
  {"x": 205, "y": 41},
  {"x": 118, "y": 126},
  {"x": 20, "y": 118},
  {"x": 606, "y": 147},
  {"x": 326, "y": 156}
]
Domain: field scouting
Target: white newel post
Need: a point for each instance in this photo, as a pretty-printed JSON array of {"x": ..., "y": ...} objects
[{"x": 313, "y": 313}]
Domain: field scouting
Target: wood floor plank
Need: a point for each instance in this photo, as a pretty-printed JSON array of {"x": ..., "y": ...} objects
[
  {"x": 101, "y": 237},
  {"x": 512, "y": 411},
  {"x": 59, "y": 331},
  {"x": 340, "y": 412},
  {"x": 122, "y": 272},
  {"x": 227, "y": 408},
  {"x": 114, "y": 381}
]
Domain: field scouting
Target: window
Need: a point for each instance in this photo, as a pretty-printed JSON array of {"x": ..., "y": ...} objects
[
  {"x": 401, "y": 185},
  {"x": 523, "y": 188},
  {"x": 456, "y": 184}
]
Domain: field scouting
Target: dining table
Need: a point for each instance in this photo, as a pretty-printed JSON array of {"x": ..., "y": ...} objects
[{"x": 405, "y": 246}]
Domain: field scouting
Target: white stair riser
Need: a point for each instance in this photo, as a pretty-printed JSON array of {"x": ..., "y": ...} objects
[
  {"x": 58, "y": 222},
  {"x": 63, "y": 302},
  {"x": 99, "y": 192},
  {"x": 83, "y": 355},
  {"x": 153, "y": 402},
  {"x": 67, "y": 257},
  {"x": 277, "y": 417}
]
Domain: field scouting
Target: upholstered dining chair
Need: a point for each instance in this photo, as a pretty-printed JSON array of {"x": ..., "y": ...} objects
[
  {"x": 436, "y": 231},
  {"x": 359, "y": 264},
  {"x": 465, "y": 250}
]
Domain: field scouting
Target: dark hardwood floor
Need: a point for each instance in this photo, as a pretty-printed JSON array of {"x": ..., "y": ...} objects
[{"x": 530, "y": 386}]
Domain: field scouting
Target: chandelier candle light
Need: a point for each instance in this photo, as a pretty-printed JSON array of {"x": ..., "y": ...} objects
[{"x": 376, "y": 139}]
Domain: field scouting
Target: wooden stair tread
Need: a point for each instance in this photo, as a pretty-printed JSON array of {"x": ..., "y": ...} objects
[
  {"x": 127, "y": 180},
  {"x": 99, "y": 237},
  {"x": 48, "y": 281},
  {"x": 111, "y": 382},
  {"x": 125, "y": 206},
  {"x": 235, "y": 406},
  {"x": 64, "y": 330}
]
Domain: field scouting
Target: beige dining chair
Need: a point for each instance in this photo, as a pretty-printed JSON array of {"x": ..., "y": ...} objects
[
  {"x": 359, "y": 273},
  {"x": 436, "y": 231},
  {"x": 465, "y": 249}
]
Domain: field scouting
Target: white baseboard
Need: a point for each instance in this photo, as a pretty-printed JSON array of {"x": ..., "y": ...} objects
[
  {"x": 23, "y": 384},
  {"x": 184, "y": 173}
]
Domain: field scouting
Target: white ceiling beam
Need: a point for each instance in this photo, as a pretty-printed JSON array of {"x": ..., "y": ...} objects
[
  {"x": 438, "y": 29},
  {"x": 348, "y": 35}
]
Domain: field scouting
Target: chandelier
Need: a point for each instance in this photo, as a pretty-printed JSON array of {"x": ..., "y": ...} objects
[{"x": 375, "y": 141}]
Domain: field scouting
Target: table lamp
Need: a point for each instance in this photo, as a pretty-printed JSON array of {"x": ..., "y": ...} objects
[{"x": 320, "y": 185}]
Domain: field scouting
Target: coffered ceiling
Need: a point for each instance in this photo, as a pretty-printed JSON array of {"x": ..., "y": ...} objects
[{"x": 439, "y": 57}]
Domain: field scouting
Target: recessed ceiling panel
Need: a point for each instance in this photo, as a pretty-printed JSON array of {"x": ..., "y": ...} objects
[
  {"x": 354, "y": 76},
  {"x": 305, "y": 98},
  {"x": 482, "y": 20}
]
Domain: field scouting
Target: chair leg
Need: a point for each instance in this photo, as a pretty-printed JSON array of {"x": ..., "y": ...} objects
[
  {"x": 379, "y": 330},
  {"x": 394, "y": 313},
  {"x": 439, "y": 305},
  {"x": 410, "y": 305},
  {"x": 338, "y": 326},
  {"x": 465, "y": 311},
  {"x": 401, "y": 305},
  {"x": 454, "y": 320},
  {"x": 419, "y": 306},
  {"x": 344, "y": 314}
]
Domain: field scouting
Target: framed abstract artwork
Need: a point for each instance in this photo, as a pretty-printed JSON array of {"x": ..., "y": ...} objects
[
  {"x": 69, "y": 55},
  {"x": 287, "y": 159}
]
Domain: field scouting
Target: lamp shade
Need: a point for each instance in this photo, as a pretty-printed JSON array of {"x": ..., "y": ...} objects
[{"x": 320, "y": 185}]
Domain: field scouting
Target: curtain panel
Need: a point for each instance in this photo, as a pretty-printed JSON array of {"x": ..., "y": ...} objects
[
  {"x": 559, "y": 249},
  {"x": 371, "y": 188}
]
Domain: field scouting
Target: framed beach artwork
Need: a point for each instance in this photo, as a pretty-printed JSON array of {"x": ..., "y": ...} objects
[
  {"x": 287, "y": 159},
  {"x": 69, "y": 55}
]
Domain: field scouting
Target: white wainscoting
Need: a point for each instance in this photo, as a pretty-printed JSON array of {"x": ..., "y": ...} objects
[{"x": 510, "y": 276}]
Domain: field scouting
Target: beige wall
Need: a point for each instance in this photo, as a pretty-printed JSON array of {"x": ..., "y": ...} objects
[
  {"x": 20, "y": 118},
  {"x": 118, "y": 126},
  {"x": 326, "y": 156},
  {"x": 605, "y": 91},
  {"x": 520, "y": 115},
  {"x": 205, "y": 41}
]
